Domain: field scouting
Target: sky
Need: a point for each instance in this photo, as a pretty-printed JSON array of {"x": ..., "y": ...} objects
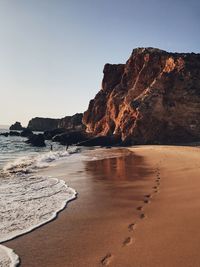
[{"x": 52, "y": 52}]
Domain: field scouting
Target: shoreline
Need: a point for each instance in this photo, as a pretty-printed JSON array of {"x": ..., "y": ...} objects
[
  {"x": 104, "y": 196},
  {"x": 118, "y": 209}
]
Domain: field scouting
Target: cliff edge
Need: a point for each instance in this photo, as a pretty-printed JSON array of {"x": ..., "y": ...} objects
[{"x": 153, "y": 98}]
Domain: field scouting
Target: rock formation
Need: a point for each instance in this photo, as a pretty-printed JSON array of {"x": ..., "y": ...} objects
[
  {"x": 43, "y": 124},
  {"x": 48, "y": 124},
  {"x": 153, "y": 98},
  {"x": 71, "y": 122},
  {"x": 16, "y": 126},
  {"x": 36, "y": 140}
]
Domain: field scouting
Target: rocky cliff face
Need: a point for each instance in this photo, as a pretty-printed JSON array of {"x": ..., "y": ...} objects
[
  {"x": 153, "y": 98},
  {"x": 71, "y": 122},
  {"x": 48, "y": 124}
]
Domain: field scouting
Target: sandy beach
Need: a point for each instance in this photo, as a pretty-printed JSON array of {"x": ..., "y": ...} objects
[{"x": 139, "y": 209}]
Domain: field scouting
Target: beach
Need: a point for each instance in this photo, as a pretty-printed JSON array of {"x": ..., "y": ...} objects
[{"x": 138, "y": 209}]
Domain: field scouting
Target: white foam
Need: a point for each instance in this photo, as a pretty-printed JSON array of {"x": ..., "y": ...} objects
[
  {"x": 27, "y": 202},
  {"x": 8, "y": 258},
  {"x": 30, "y": 164}
]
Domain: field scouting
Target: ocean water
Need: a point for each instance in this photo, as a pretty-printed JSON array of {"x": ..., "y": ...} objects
[{"x": 28, "y": 200}]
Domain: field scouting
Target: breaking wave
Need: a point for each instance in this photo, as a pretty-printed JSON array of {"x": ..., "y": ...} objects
[{"x": 28, "y": 200}]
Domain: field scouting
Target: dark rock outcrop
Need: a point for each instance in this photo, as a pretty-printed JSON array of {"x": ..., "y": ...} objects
[
  {"x": 16, "y": 126},
  {"x": 43, "y": 124},
  {"x": 47, "y": 124},
  {"x": 153, "y": 98},
  {"x": 71, "y": 137},
  {"x": 26, "y": 132},
  {"x": 36, "y": 140},
  {"x": 4, "y": 134},
  {"x": 11, "y": 133},
  {"x": 14, "y": 133},
  {"x": 48, "y": 135}
]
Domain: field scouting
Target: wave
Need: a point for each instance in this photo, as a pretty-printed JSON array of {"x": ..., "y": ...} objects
[
  {"x": 8, "y": 257},
  {"x": 28, "y": 200},
  {"x": 30, "y": 164}
]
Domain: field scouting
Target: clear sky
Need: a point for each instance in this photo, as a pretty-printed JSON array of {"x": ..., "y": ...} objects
[{"x": 52, "y": 52}]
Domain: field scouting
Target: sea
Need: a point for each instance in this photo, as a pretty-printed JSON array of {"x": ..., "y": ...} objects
[{"x": 27, "y": 199}]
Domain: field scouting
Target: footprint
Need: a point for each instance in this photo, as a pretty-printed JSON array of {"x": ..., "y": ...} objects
[
  {"x": 154, "y": 187},
  {"x": 148, "y": 196},
  {"x": 142, "y": 216},
  {"x": 146, "y": 201},
  {"x": 106, "y": 260},
  {"x": 127, "y": 241},
  {"x": 131, "y": 226},
  {"x": 139, "y": 208}
]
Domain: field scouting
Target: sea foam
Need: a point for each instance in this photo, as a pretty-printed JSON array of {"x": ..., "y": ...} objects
[
  {"x": 28, "y": 200},
  {"x": 7, "y": 257}
]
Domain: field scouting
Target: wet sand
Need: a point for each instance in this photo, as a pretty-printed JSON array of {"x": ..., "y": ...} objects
[{"x": 140, "y": 209}]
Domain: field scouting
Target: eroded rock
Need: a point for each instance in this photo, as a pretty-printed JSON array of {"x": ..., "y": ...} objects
[{"x": 153, "y": 98}]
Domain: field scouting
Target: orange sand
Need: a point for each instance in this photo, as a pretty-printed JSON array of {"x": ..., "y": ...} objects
[{"x": 105, "y": 225}]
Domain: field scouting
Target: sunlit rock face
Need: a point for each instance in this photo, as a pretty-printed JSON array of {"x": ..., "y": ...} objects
[{"x": 153, "y": 98}]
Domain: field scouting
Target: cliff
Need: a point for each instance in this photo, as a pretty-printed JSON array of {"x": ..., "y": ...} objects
[
  {"x": 48, "y": 124},
  {"x": 153, "y": 98}
]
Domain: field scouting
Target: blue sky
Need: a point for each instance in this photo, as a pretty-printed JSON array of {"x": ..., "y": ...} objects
[{"x": 52, "y": 52}]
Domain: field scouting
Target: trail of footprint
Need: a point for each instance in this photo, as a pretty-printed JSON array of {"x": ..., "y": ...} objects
[
  {"x": 131, "y": 227},
  {"x": 142, "y": 216},
  {"x": 106, "y": 260},
  {"x": 128, "y": 241}
]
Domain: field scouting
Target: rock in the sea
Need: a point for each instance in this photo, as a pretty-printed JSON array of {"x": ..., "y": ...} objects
[
  {"x": 16, "y": 126},
  {"x": 26, "y": 132},
  {"x": 48, "y": 135},
  {"x": 36, "y": 140},
  {"x": 14, "y": 133},
  {"x": 153, "y": 98},
  {"x": 4, "y": 134},
  {"x": 70, "y": 138}
]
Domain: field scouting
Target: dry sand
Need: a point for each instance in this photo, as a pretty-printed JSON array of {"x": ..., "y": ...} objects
[{"x": 138, "y": 210}]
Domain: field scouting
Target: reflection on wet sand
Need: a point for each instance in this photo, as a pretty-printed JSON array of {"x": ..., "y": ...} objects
[{"x": 124, "y": 168}]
